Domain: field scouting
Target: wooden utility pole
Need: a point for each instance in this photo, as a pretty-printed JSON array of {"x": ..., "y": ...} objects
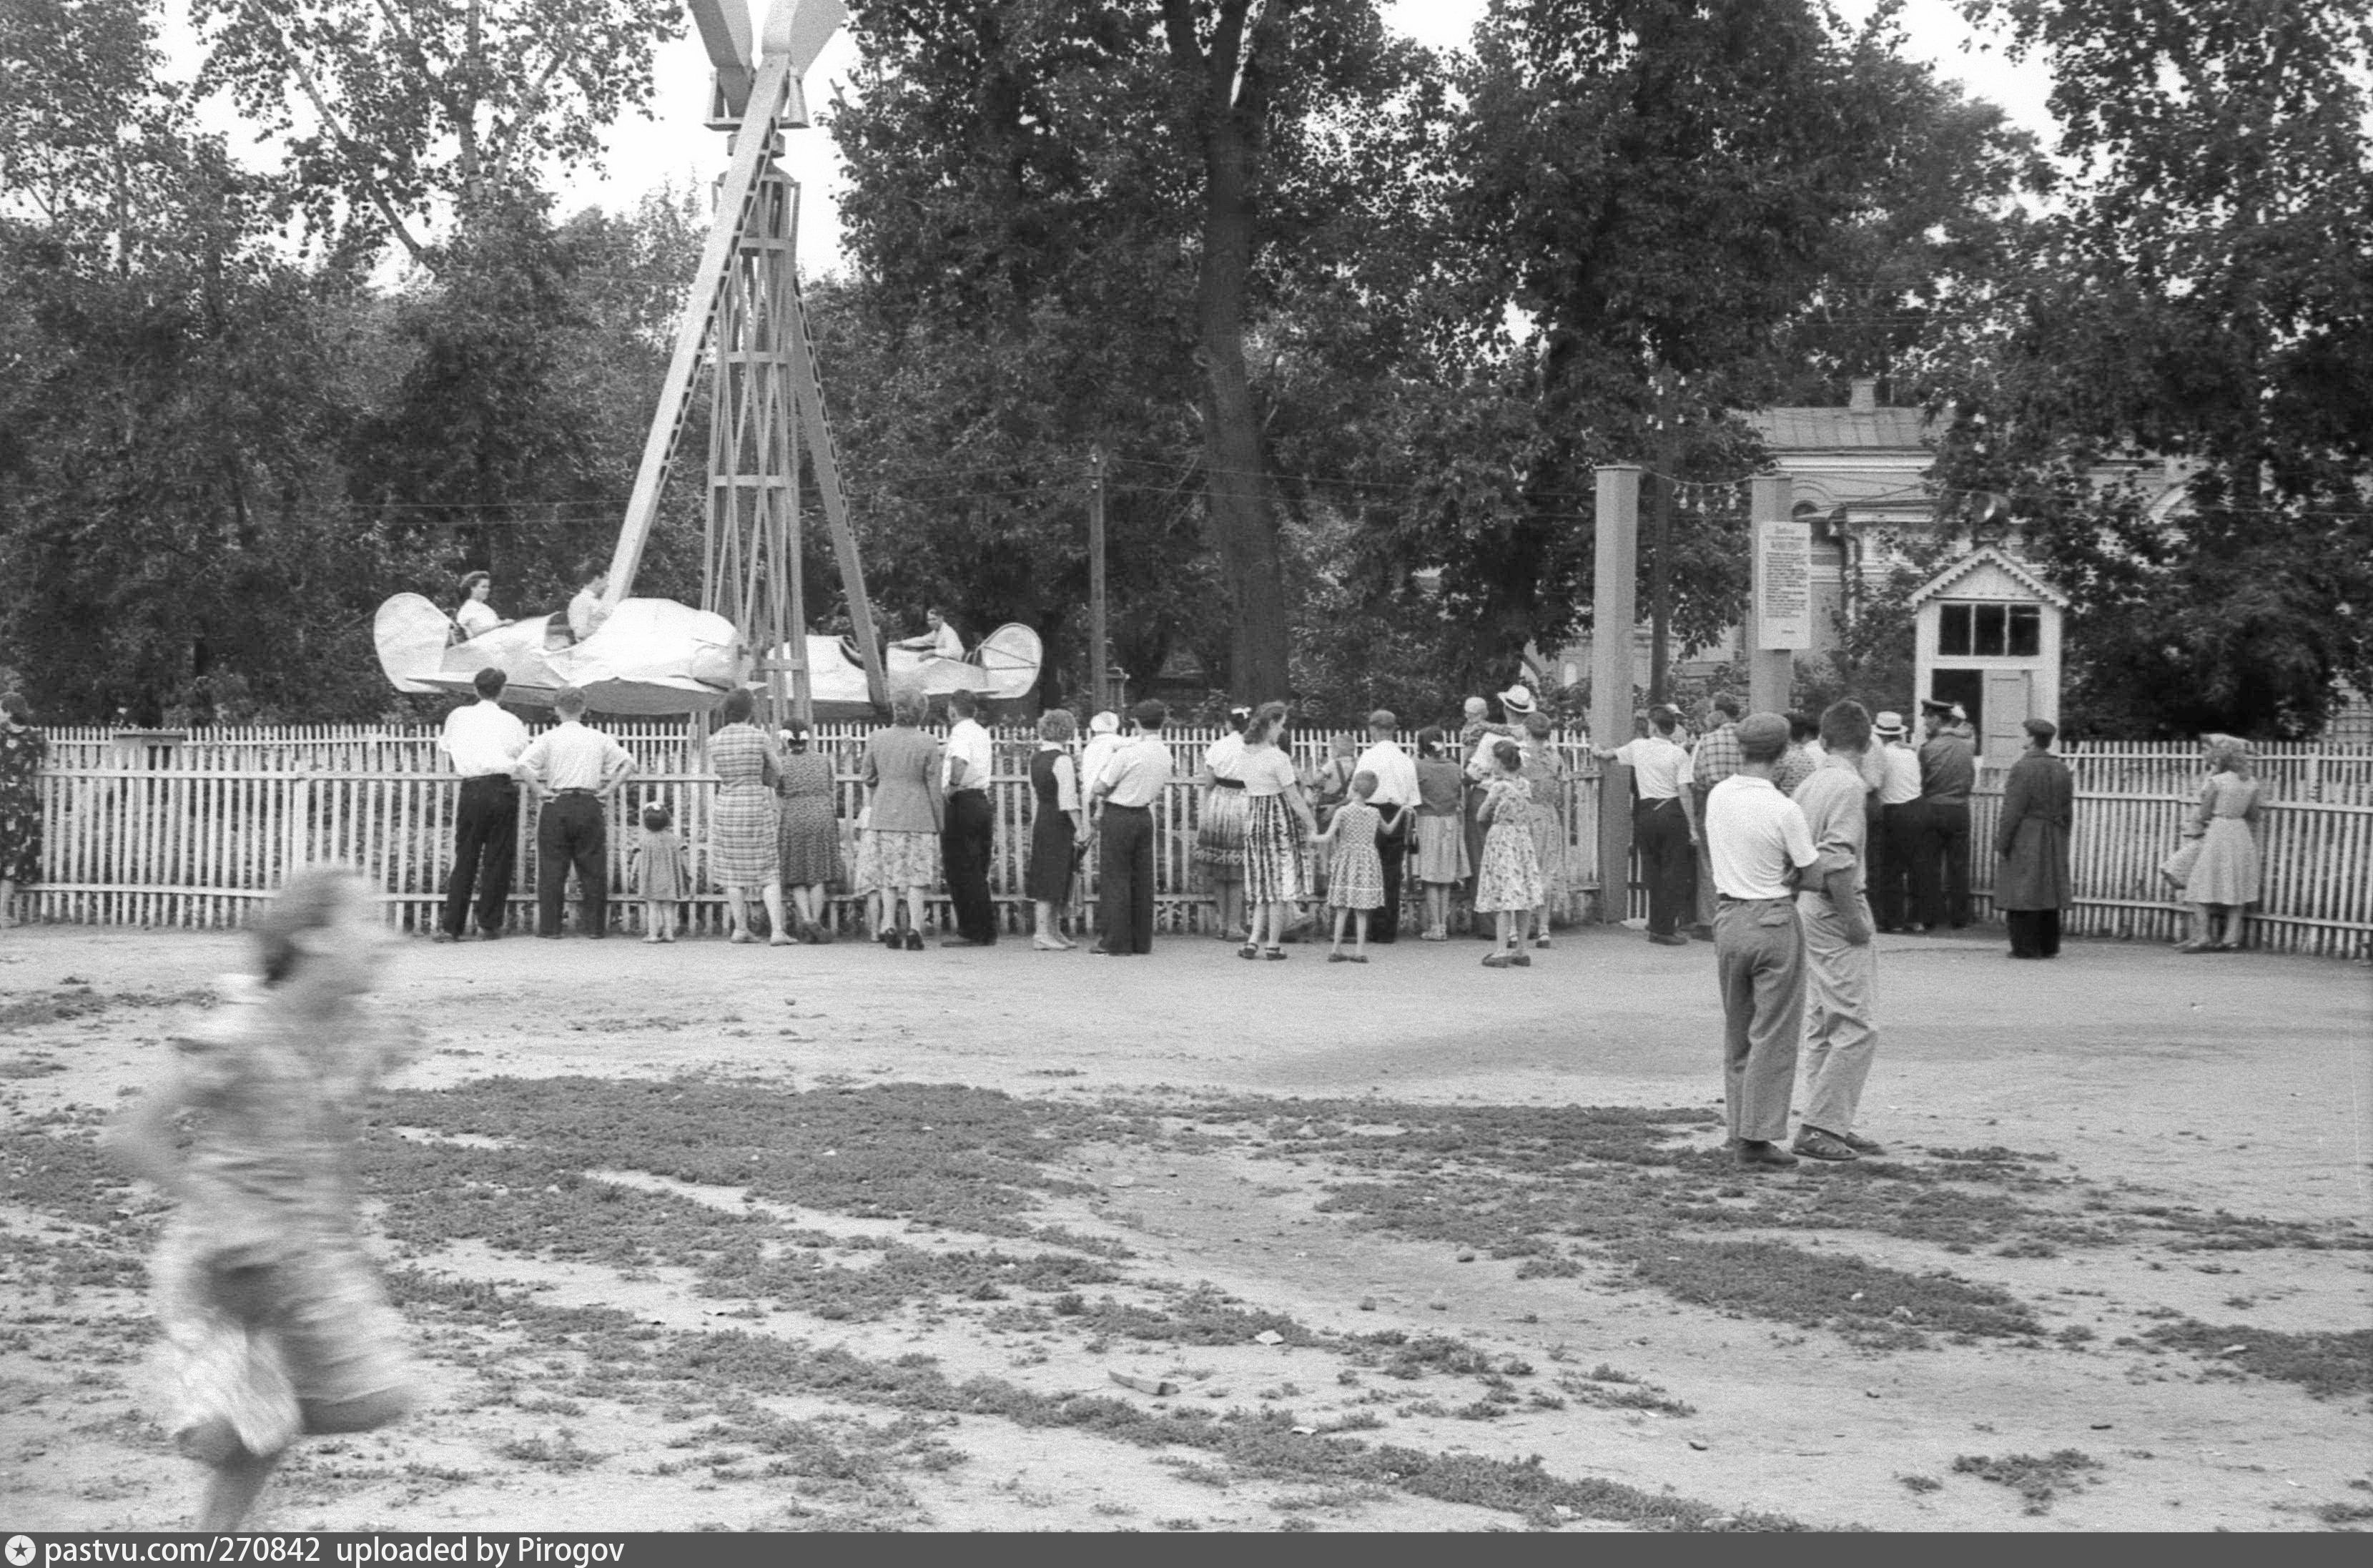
[
  {"x": 1097, "y": 672},
  {"x": 1770, "y": 670},
  {"x": 1614, "y": 614},
  {"x": 1660, "y": 584}
]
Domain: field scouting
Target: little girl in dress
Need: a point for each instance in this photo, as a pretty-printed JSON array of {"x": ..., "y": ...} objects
[
  {"x": 1355, "y": 878},
  {"x": 662, "y": 877},
  {"x": 271, "y": 1311},
  {"x": 1508, "y": 883}
]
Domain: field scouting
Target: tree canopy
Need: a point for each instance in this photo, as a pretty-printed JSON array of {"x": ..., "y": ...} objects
[{"x": 1350, "y": 323}]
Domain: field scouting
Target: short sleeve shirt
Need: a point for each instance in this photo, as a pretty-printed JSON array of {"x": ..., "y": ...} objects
[
  {"x": 1831, "y": 800},
  {"x": 1268, "y": 770},
  {"x": 1658, "y": 766},
  {"x": 1754, "y": 833}
]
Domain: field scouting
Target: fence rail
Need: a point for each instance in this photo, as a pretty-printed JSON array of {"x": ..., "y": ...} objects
[{"x": 189, "y": 830}]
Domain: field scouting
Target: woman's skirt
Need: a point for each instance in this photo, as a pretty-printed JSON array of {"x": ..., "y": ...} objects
[
  {"x": 1052, "y": 857},
  {"x": 904, "y": 860},
  {"x": 1510, "y": 876},
  {"x": 2227, "y": 868},
  {"x": 1219, "y": 838},
  {"x": 327, "y": 1334},
  {"x": 810, "y": 841},
  {"x": 1273, "y": 867},
  {"x": 1548, "y": 850},
  {"x": 1441, "y": 849},
  {"x": 741, "y": 847}
]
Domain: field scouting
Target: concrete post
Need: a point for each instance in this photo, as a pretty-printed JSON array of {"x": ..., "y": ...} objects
[
  {"x": 1614, "y": 614},
  {"x": 1769, "y": 674}
]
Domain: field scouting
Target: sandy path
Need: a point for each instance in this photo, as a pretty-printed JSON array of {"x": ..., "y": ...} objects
[{"x": 2241, "y": 1082}]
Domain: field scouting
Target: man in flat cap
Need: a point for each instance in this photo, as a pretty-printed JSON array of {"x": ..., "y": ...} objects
[
  {"x": 1940, "y": 869},
  {"x": 1758, "y": 845}
]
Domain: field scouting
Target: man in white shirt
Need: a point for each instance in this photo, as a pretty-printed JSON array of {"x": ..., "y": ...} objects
[
  {"x": 585, "y": 612},
  {"x": 942, "y": 640},
  {"x": 1663, "y": 822},
  {"x": 1900, "y": 822},
  {"x": 578, "y": 768},
  {"x": 1757, "y": 842},
  {"x": 1104, "y": 739},
  {"x": 1396, "y": 796},
  {"x": 1121, "y": 802},
  {"x": 1842, "y": 968},
  {"x": 484, "y": 743},
  {"x": 967, "y": 834}
]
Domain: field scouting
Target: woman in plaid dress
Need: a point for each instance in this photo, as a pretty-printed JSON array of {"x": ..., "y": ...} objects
[{"x": 742, "y": 849}]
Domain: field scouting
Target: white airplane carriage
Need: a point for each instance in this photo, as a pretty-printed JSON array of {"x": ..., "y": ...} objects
[
  {"x": 744, "y": 315},
  {"x": 655, "y": 656},
  {"x": 650, "y": 656}
]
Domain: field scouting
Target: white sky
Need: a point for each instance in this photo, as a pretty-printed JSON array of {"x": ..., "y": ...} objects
[{"x": 674, "y": 144}]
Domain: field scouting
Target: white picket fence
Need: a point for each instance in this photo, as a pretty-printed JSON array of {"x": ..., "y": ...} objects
[{"x": 189, "y": 830}]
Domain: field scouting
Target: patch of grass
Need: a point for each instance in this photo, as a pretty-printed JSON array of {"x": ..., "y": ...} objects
[
  {"x": 627, "y": 1357},
  {"x": 52, "y": 1164},
  {"x": 36, "y": 1066},
  {"x": 1864, "y": 1300},
  {"x": 942, "y": 1155},
  {"x": 2327, "y": 1364},
  {"x": 2343, "y": 1513},
  {"x": 1917, "y": 1483},
  {"x": 2037, "y": 1480},
  {"x": 559, "y": 1452},
  {"x": 1609, "y": 1389},
  {"x": 77, "y": 1000}
]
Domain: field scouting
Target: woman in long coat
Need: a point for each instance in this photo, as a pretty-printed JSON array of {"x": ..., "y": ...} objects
[{"x": 2031, "y": 883}]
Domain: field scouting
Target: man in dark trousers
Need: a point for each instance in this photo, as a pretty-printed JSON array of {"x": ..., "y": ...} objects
[
  {"x": 1948, "y": 767},
  {"x": 965, "y": 839},
  {"x": 573, "y": 771},
  {"x": 1663, "y": 822},
  {"x": 484, "y": 743},
  {"x": 1396, "y": 797},
  {"x": 1122, "y": 804}
]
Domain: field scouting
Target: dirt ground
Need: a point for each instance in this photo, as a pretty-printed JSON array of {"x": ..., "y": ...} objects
[{"x": 2191, "y": 1140}]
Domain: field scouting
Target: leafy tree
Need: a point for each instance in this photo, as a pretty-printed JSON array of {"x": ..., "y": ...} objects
[
  {"x": 399, "y": 107},
  {"x": 1690, "y": 208},
  {"x": 2201, "y": 291},
  {"x": 1078, "y": 216}
]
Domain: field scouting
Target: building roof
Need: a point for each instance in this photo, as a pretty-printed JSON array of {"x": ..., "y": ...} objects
[
  {"x": 2008, "y": 564},
  {"x": 1841, "y": 429}
]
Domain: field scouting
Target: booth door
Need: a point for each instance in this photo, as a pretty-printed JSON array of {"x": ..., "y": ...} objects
[
  {"x": 2009, "y": 699},
  {"x": 1967, "y": 687}
]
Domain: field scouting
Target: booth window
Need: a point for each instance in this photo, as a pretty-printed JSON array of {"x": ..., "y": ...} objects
[{"x": 1990, "y": 631}]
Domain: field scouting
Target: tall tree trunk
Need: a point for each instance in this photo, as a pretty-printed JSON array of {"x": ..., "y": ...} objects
[
  {"x": 1230, "y": 107},
  {"x": 1236, "y": 496}
]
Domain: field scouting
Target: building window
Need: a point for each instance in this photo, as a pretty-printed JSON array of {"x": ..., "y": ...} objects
[
  {"x": 1990, "y": 631},
  {"x": 2025, "y": 631},
  {"x": 1953, "y": 629}
]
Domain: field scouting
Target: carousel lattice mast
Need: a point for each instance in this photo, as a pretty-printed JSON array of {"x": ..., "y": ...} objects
[{"x": 765, "y": 392}]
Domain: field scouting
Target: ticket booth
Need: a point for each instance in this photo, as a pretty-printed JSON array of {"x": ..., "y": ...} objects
[{"x": 1989, "y": 638}]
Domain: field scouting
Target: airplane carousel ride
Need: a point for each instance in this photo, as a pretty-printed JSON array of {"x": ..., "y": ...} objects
[{"x": 743, "y": 318}]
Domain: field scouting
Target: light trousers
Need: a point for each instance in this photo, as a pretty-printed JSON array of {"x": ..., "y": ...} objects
[
  {"x": 1758, "y": 954},
  {"x": 1842, "y": 987}
]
